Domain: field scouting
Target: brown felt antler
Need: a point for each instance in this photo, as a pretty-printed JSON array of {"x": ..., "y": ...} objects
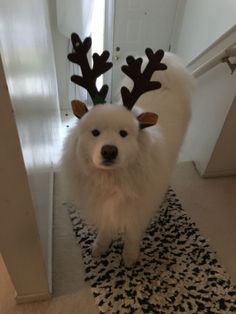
[
  {"x": 142, "y": 83},
  {"x": 89, "y": 75}
]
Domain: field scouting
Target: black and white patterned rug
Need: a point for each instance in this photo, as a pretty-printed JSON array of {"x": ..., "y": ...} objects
[{"x": 176, "y": 272}]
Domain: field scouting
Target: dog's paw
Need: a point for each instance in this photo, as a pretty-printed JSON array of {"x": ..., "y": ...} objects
[
  {"x": 98, "y": 250},
  {"x": 130, "y": 258}
]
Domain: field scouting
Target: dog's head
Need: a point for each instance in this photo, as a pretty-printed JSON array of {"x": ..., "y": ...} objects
[{"x": 108, "y": 137}]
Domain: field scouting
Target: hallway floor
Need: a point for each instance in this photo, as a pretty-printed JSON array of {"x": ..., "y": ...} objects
[{"x": 210, "y": 202}]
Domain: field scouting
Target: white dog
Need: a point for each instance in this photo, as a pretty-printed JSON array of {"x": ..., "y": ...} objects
[{"x": 118, "y": 171}]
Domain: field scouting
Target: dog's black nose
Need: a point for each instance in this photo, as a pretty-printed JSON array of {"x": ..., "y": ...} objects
[{"x": 109, "y": 152}]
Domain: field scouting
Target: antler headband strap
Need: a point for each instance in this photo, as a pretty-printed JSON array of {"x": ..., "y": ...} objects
[{"x": 142, "y": 80}]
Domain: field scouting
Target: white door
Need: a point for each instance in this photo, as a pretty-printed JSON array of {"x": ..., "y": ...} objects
[{"x": 139, "y": 24}]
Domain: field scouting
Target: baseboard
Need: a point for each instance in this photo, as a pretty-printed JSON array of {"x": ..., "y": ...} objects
[
  {"x": 220, "y": 173},
  {"x": 215, "y": 173},
  {"x": 33, "y": 298}
]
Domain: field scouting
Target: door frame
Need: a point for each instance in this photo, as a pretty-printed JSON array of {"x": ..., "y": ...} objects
[
  {"x": 20, "y": 243},
  {"x": 108, "y": 40}
]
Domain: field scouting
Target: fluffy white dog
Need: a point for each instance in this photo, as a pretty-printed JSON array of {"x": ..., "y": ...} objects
[{"x": 117, "y": 170}]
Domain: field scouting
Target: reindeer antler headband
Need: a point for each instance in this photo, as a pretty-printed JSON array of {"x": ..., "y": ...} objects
[{"x": 142, "y": 83}]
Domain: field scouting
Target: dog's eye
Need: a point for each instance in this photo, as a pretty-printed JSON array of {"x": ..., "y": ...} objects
[
  {"x": 95, "y": 132},
  {"x": 123, "y": 133}
]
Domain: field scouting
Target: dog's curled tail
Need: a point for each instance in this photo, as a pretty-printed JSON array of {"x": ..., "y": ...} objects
[{"x": 176, "y": 78}]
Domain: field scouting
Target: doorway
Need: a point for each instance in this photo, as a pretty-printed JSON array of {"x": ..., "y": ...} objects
[{"x": 136, "y": 25}]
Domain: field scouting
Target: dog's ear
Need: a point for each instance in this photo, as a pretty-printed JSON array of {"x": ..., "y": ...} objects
[
  {"x": 79, "y": 108},
  {"x": 147, "y": 119}
]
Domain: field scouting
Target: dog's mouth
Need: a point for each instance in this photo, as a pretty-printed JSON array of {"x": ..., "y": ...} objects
[{"x": 108, "y": 164}]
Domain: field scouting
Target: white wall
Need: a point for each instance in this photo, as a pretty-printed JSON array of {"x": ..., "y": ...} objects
[
  {"x": 27, "y": 53},
  {"x": 210, "y": 141},
  {"x": 203, "y": 22},
  {"x": 211, "y": 103},
  {"x": 223, "y": 159}
]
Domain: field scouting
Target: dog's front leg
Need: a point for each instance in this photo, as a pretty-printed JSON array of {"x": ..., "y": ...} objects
[
  {"x": 131, "y": 246},
  {"x": 105, "y": 232},
  {"x": 102, "y": 242}
]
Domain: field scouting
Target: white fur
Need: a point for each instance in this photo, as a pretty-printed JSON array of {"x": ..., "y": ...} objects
[{"x": 124, "y": 196}]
